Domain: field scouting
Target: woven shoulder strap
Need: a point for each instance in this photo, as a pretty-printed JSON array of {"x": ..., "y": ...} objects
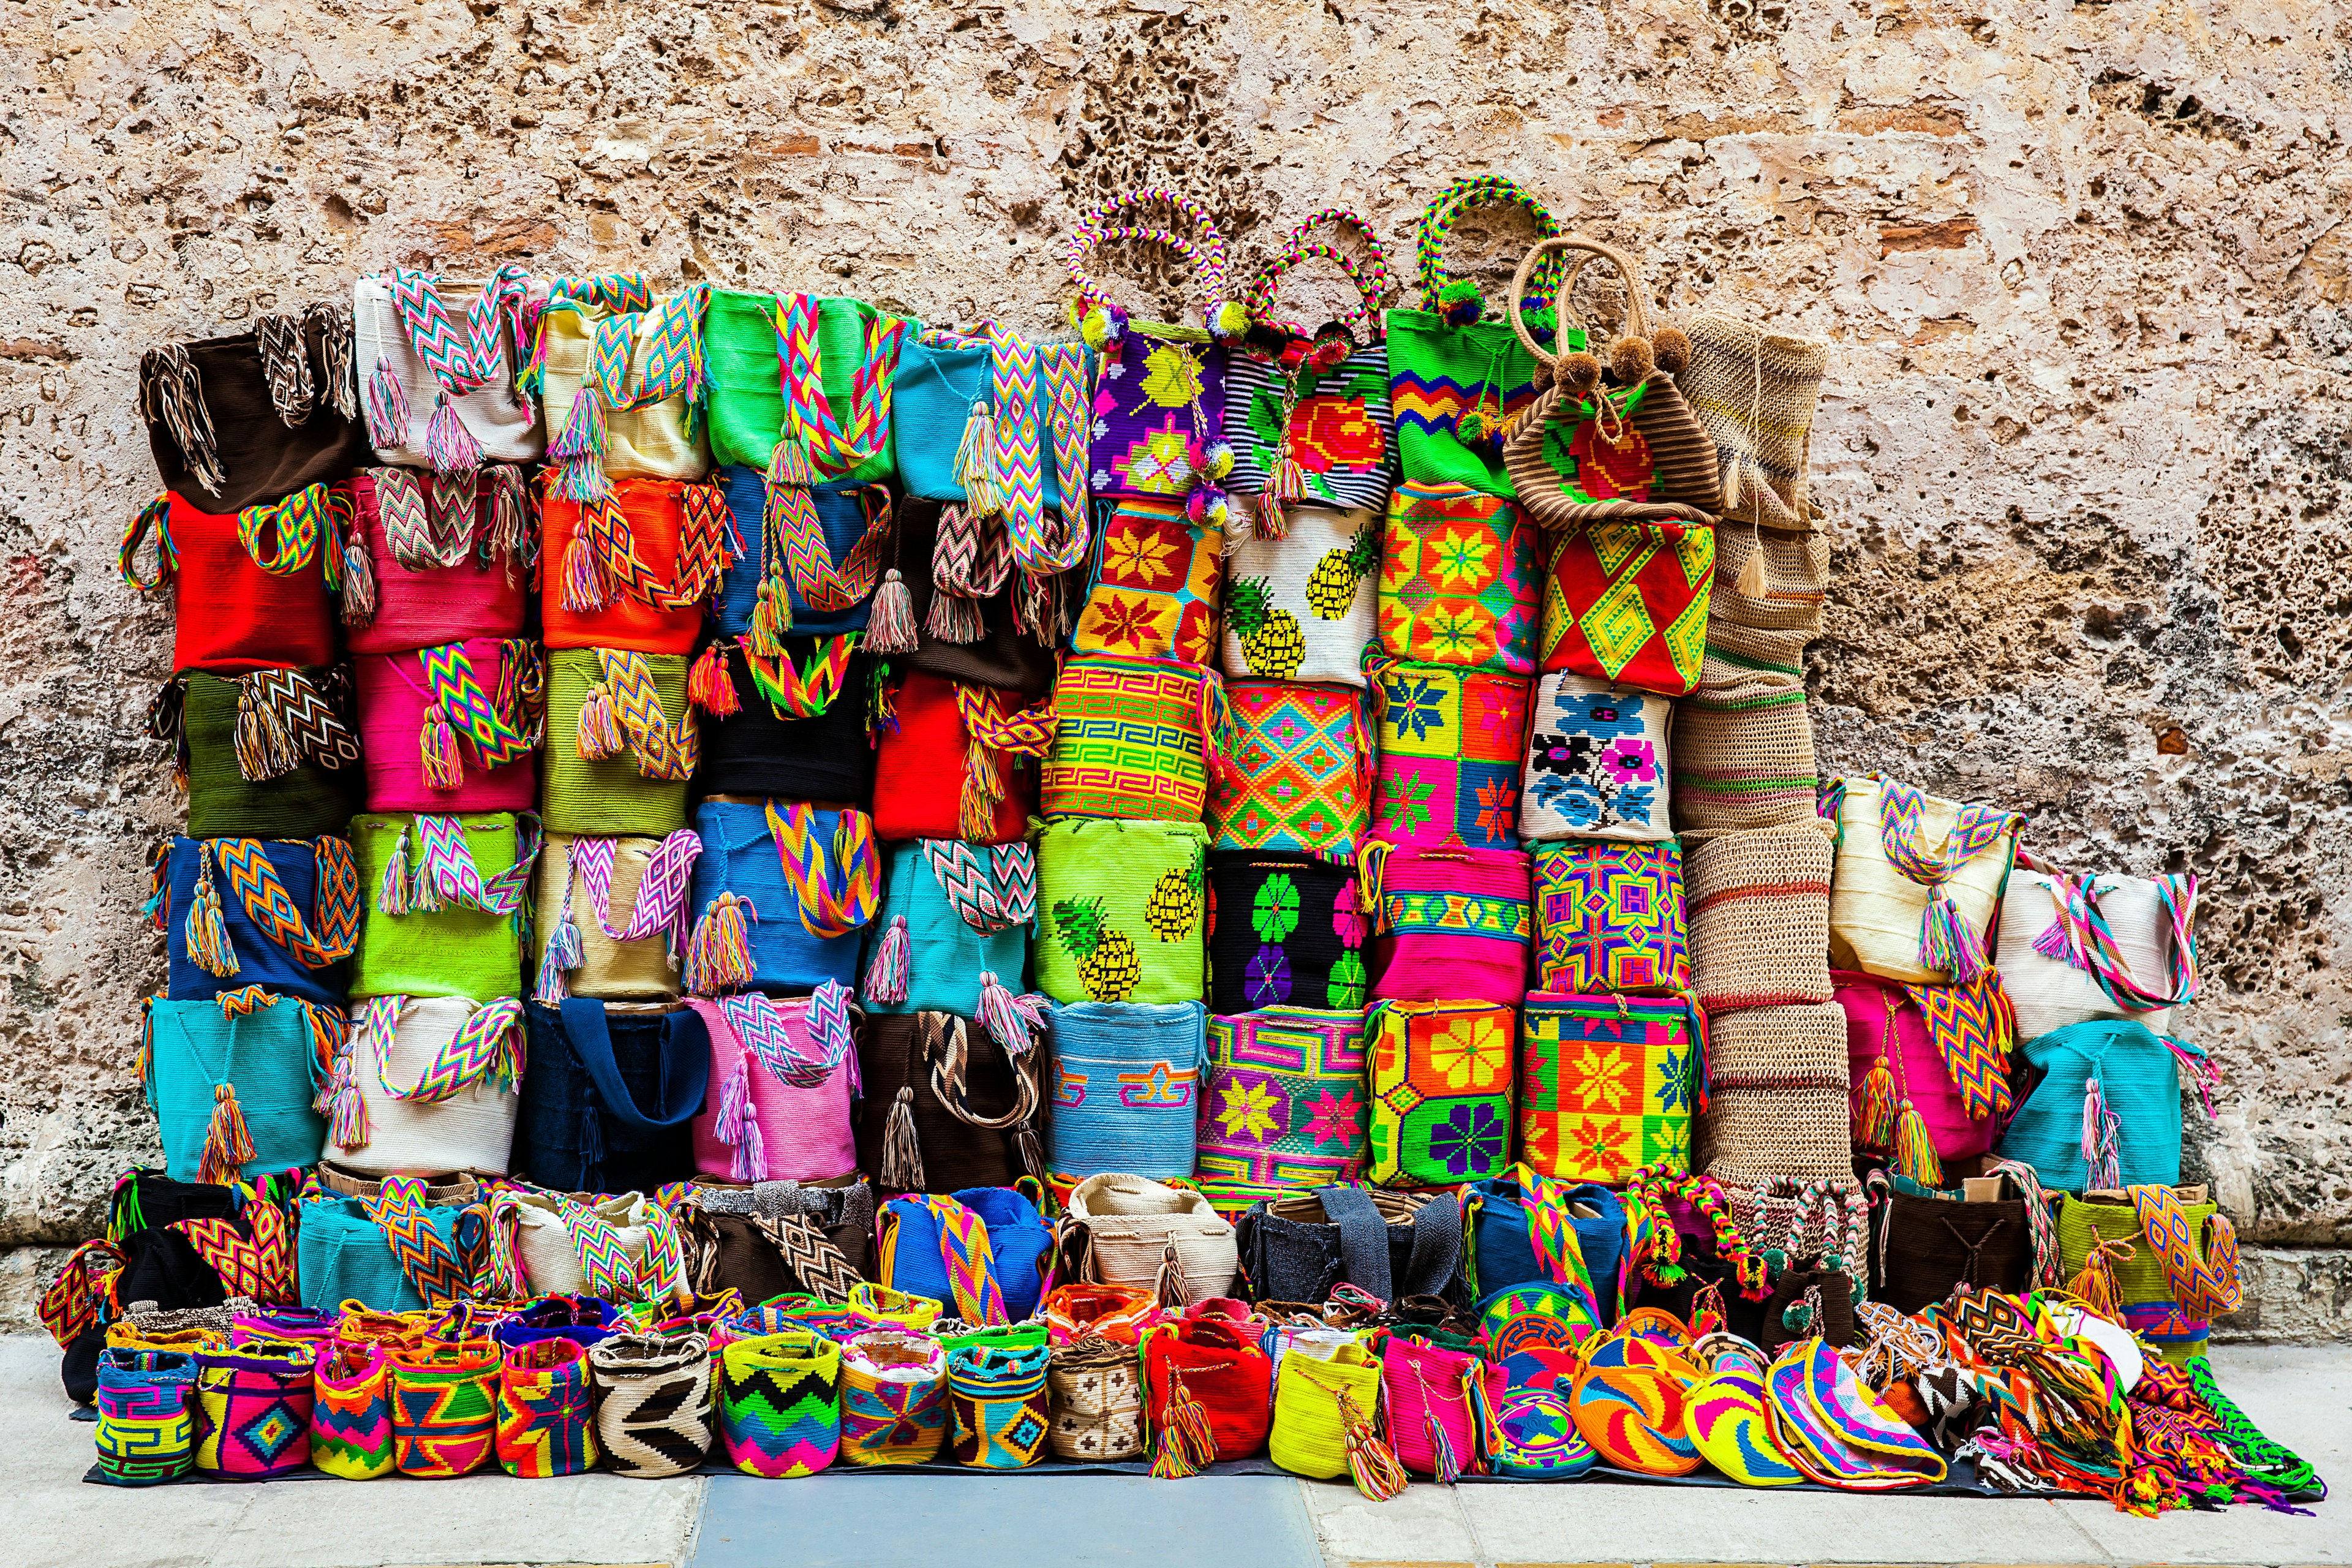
[
  {"x": 817, "y": 440},
  {"x": 663, "y": 749},
  {"x": 805, "y": 691},
  {"x": 154, "y": 518},
  {"x": 332, "y": 932},
  {"x": 766, "y": 1031},
  {"x": 445, "y": 872},
  {"x": 660, "y": 900},
  {"x": 837, "y": 900},
  {"x": 461, "y": 358},
  {"x": 1552, "y": 1234},
  {"x": 285, "y": 719},
  {"x": 486, "y": 1049},
  {"x": 428, "y": 1261},
  {"x": 287, "y": 537},
  {"x": 1444, "y": 295},
  {"x": 991, "y": 888},
  {"x": 640, "y": 353},
  {"x": 970, "y": 1260},
  {"x": 171, "y": 393},
  {"x": 994, "y": 729},
  {"x": 2078, "y": 934},
  {"x": 2204, "y": 1279}
]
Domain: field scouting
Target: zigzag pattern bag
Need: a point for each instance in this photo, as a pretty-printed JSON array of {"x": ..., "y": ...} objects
[
  {"x": 444, "y": 898},
  {"x": 781, "y": 896},
  {"x": 426, "y": 1084},
  {"x": 240, "y": 913},
  {"x": 426, "y": 368},
  {"x": 963, "y": 914},
  {"x": 442, "y": 557}
]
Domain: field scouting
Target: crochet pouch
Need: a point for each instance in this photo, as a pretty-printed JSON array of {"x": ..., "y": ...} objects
[
  {"x": 242, "y": 420},
  {"x": 612, "y": 917},
  {"x": 1743, "y": 755},
  {"x": 783, "y": 1078},
  {"x": 1929, "y": 1065},
  {"x": 1454, "y": 923},
  {"x": 946, "y": 1106},
  {"x": 1757, "y": 909},
  {"x": 454, "y": 728},
  {"x": 241, "y": 913},
  {"x": 631, "y": 569},
  {"x": 1919, "y": 880},
  {"x": 444, "y": 904},
  {"x": 1461, "y": 575},
  {"x": 1127, "y": 1082},
  {"x": 820, "y": 374},
  {"x": 1146, "y": 1237},
  {"x": 346, "y": 1251},
  {"x": 1005, "y": 637},
  {"x": 2180, "y": 1272},
  {"x": 958, "y": 760},
  {"x": 1498, "y": 1229},
  {"x": 1441, "y": 1091},
  {"x": 1120, "y": 907},
  {"x": 252, "y": 1406},
  {"x": 1302, "y": 771},
  {"x": 426, "y": 1084},
  {"x": 990, "y": 403},
  {"x": 1133, "y": 739},
  {"x": 269, "y": 754},
  {"x": 445, "y": 557},
  {"x": 1609, "y": 917},
  {"x": 620, "y": 744},
  {"x": 1207, "y": 1362},
  {"x": 1597, "y": 761},
  {"x": 1284, "y": 929},
  {"x": 811, "y": 558},
  {"x": 1607, "y": 1085},
  {"x": 1152, "y": 590},
  {"x": 1450, "y": 744},
  {"x": 1282, "y": 1105},
  {"x": 613, "y": 1089},
  {"x": 781, "y": 896},
  {"x": 1303, "y": 1246}
]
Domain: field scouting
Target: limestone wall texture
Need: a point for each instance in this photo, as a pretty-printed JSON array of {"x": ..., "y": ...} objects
[{"x": 2084, "y": 448}]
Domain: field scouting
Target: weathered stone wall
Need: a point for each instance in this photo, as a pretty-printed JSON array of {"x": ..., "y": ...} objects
[{"x": 2082, "y": 444}]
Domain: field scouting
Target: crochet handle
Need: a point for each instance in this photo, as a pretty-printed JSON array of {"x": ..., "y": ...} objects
[
  {"x": 1439, "y": 292},
  {"x": 1374, "y": 283},
  {"x": 1637, "y": 314},
  {"x": 685, "y": 1062},
  {"x": 1205, "y": 251}
]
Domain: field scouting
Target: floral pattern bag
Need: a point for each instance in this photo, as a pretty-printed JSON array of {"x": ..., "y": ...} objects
[
  {"x": 1450, "y": 743},
  {"x": 1459, "y": 579},
  {"x": 1597, "y": 763},
  {"x": 1283, "y": 930},
  {"x": 1154, "y": 588},
  {"x": 1440, "y": 1086}
]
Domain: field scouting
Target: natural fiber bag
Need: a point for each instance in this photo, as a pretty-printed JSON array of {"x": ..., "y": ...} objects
[
  {"x": 242, "y": 912},
  {"x": 1300, "y": 1247},
  {"x": 231, "y": 613},
  {"x": 997, "y": 1406},
  {"x": 1928, "y": 1247},
  {"x": 546, "y": 1411},
  {"x": 811, "y": 557},
  {"x": 957, "y": 761},
  {"x": 232, "y": 1080},
  {"x": 1609, "y": 917},
  {"x": 893, "y": 1408},
  {"x": 1754, "y": 392},
  {"x": 1302, "y": 771},
  {"x": 1096, "y": 1390},
  {"x": 2180, "y": 1272},
  {"x": 1127, "y": 1083},
  {"x": 618, "y": 371},
  {"x": 1758, "y": 906},
  {"x": 1152, "y": 584},
  {"x": 454, "y": 728},
  {"x": 777, "y": 1237},
  {"x": 784, "y": 1077},
  {"x": 253, "y": 1410},
  {"x": 146, "y": 1432},
  {"x": 1137, "y": 1229},
  {"x": 2074, "y": 948},
  {"x": 426, "y": 1084},
  {"x": 1930, "y": 1068},
  {"x": 612, "y": 917},
  {"x": 1450, "y": 745},
  {"x": 653, "y": 1403},
  {"x": 1297, "y": 607},
  {"x": 1597, "y": 763},
  {"x": 443, "y": 900},
  {"x": 1776, "y": 1080},
  {"x": 436, "y": 362},
  {"x": 793, "y": 726},
  {"x": 1607, "y": 1085},
  {"x": 1771, "y": 585},
  {"x": 1210, "y": 1363},
  {"x": 781, "y": 896},
  {"x": 981, "y": 1254},
  {"x": 445, "y": 1407},
  {"x": 1321, "y": 1391},
  {"x": 620, "y": 742},
  {"x": 837, "y": 357},
  {"x": 631, "y": 568},
  {"x": 1744, "y": 757},
  {"x": 955, "y": 921},
  {"x": 442, "y": 557},
  {"x": 947, "y": 1107},
  {"x": 612, "y": 1091},
  {"x": 1133, "y": 739},
  {"x": 1283, "y": 1104},
  {"x": 238, "y": 421},
  {"x": 2106, "y": 1110},
  {"x": 345, "y": 1252},
  {"x": 1461, "y": 575},
  {"x": 780, "y": 1404},
  {"x": 1122, "y": 910},
  {"x": 1285, "y": 928},
  {"x": 242, "y": 782},
  {"x": 1441, "y": 1091},
  {"x": 1919, "y": 880},
  {"x": 1454, "y": 923}
]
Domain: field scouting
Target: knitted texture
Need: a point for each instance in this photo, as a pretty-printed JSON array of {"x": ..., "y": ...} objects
[
  {"x": 2152, "y": 1307},
  {"x": 999, "y": 1408},
  {"x": 629, "y": 791},
  {"x": 629, "y": 569},
  {"x": 2137, "y": 1076},
  {"x": 1333, "y": 421},
  {"x": 630, "y": 934},
  {"x": 569, "y": 1136},
  {"x": 894, "y": 1398},
  {"x": 1609, "y": 917},
  {"x": 1626, "y": 603},
  {"x": 968, "y": 911},
  {"x": 783, "y": 1076},
  {"x": 747, "y": 409},
  {"x": 1927, "y": 1246},
  {"x": 1008, "y": 654},
  {"x": 1757, "y": 909},
  {"x": 1127, "y": 1083},
  {"x": 1219, "y": 1370},
  {"x": 653, "y": 1403},
  {"x": 1095, "y": 1390},
  {"x": 405, "y": 704},
  {"x": 1283, "y": 1104},
  {"x": 1157, "y": 403},
  {"x": 1302, "y": 607},
  {"x": 1767, "y": 630},
  {"x": 546, "y": 1411},
  {"x": 351, "y": 1414},
  {"x": 806, "y": 882},
  {"x": 779, "y": 1404},
  {"x": 346, "y": 1254},
  {"x": 1285, "y": 928},
  {"x": 1440, "y": 376},
  {"x": 252, "y": 445},
  {"x": 1308, "y": 1437},
  {"x": 1461, "y": 575},
  {"x": 1454, "y": 923},
  {"x": 248, "y": 1059},
  {"x": 844, "y": 515},
  {"x": 447, "y": 556},
  {"x": 1878, "y": 912},
  {"x": 253, "y": 1408},
  {"x": 1152, "y": 584},
  {"x": 930, "y": 772},
  {"x": 1607, "y": 1085},
  {"x": 1128, "y": 741},
  {"x": 1597, "y": 761},
  {"x": 1743, "y": 756},
  {"x": 965, "y": 1129},
  {"x": 656, "y": 439},
  {"x": 1777, "y": 1082},
  {"x": 2051, "y": 992},
  {"x": 146, "y": 1432},
  {"x": 470, "y": 944},
  {"x": 287, "y": 916},
  {"x": 1133, "y": 1222},
  {"x": 1501, "y": 1219},
  {"x": 797, "y": 729},
  {"x": 1929, "y": 1038},
  {"x": 1301, "y": 771},
  {"x": 979, "y": 1255},
  {"x": 1426, "y": 1391},
  {"x": 1121, "y": 908},
  {"x": 942, "y": 389},
  {"x": 1574, "y": 464},
  {"x": 1754, "y": 392},
  {"x": 303, "y": 801},
  {"x": 426, "y": 1084},
  {"x": 1450, "y": 745},
  {"x": 229, "y": 614},
  {"x": 1441, "y": 1091}
]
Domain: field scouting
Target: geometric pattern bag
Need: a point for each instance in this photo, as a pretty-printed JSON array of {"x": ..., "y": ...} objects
[
  {"x": 2181, "y": 1272},
  {"x": 612, "y": 917},
  {"x": 965, "y": 912},
  {"x": 1297, "y": 607},
  {"x": 618, "y": 374},
  {"x": 1283, "y": 930},
  {"x": 779, "y": 1404},
  {"x": 1154, "y": 585},
  {"x": 446, "y": 557},
  {"x": 631, "y": 570},
  {"x": 1607, "y": 1085},
  {"x": 1283, "y": 1104},
  {"x": 1441, "y": 1091},
  {"x": 1609, "y": 917},
  {"x": 426, "y": 1084},
  {"x": 1133, "y": 739},
  {"x": 253, "y": 1410},
  {"x": 1919, "y": 880},
  {"x": 1121, "y": 910},
  {"x": 1127, "y": 1086},
  {"x": 445, "y": 1407},
  {"x": 1302, "y": 771},
  {"x": 451, "y": 728},
  {"x": 1911, "y": 1048},
  {"x": 782, "y": 896},
  {"x": 444, "y": 899},
  {"x": 620, "y": 742},
  {"x": 439, "y": 358},
  {"x": 547, "y": 1412},
  {"x": 1461, "y": 574},
  {"x": 238, "y": 912},
  {"x": 1450, "y": 745},
  {"x": 225, "y": 734},
  {"x": 1454, "y": 923},
  {"x": 1597, "y": 763},
  {"x": 652, "y": 1401},
  {"x": 1626, "y": 602}
]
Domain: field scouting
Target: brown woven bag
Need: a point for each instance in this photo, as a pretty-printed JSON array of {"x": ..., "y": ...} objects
[
  {"x": 1743, "y": 758},
  {"x": 1770, "y": 585},
  {"x": 1777, "y": 1096},
  {"x": 1095, "y": 1390},
  {"x": 1927, "y": 1246},
  {"x": 1756, "y": 906},
  {"x": 1754, "y": 392}
]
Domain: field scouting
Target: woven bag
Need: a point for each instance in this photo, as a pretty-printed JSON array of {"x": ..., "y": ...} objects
[
  {"x": 454, "y": 728},
  {"x": 2181, "y": 1272},
  {"x": 443, "y": 904},
  {"x": 963, "y": 914},
  {"x": 1772, "y": 587},
  {"x": 146, "y": 1431},
  {"x": 307, "y": 785},
  {"x": 1320, "y": 1389},
  {"x": 1127, "y": 1082},
  {"x": 1609, "y": 917},
  {"x": 1011, "y": 646},
  {"x": 2074, "y": 948},
  {"x": 839, "y": 357},
  {"x": 252, "y": 1406},
  {"x": 1928, "y": 1247},
  {"x": 997, "y": 1406},
  {"x": 1297, "y": 607},
  {"x": 442, "y": 1189},
  {"x": 818, "y": 583},
  {"x": 1500, "y": 1234},
  {"x": 784, "y": 1077},
  {"x": 1743, "y": 757},
  {"x": 442, "y": 557},
  {"x": 1454, "y": 923},
  {"x": 612, "y": 917},
  {"x": 1929, "y": 1065},
  {"x": 242, "y": 420},
  {"x": 762, "y": 1240},
  {"x": 1428, "y": 1392},
  {"x": 230, "y": 612},
  {"x": 1607, "y": 1085},
  {"x": 344, "y": 1253},
  {"x": 620, "y": 744},
  {"x": 780, "y": 1404},
  {"x": 1283, "y": 1104},
  {"x": 580, "y": 1321},
  {"x": 1754, "y": 392},
  {"x": 351, "y": 1416},
  {"x": 1145, "y": 1236},
  {"x": 1758, "y": 908},
  {"x": 426, "y": 1084},
  {"x": 1441, "y": 1091},
  {"x": 1918, "y": 881},
  {"x": 1626, "y": 603},
  {"x": 893, "y": 1398},
  {"x": 445, "y": 1407},
  {"x": 653, "y": 1403},
  {"x": 1302, "y": 772},
  {"x": 1095, "y": 1390},
  {"x": 617, "y": 372},
  {"x": 934, "y": 778},
  {"x": 1597, "y": 761},
  {"x": 793, "y": 726},
  {"x": 1121, "y": 908},
  {"x": 982, "y": 400},
  {"x": 781, "y": 895},
  {"x": 1461, "y": 579},
  {"x": 947, "y": 1108},
  {"x": 631, "y": 570},
  {"x": 1152, "y": 584},
  {"x": 981, "y": 1254},
  {"x": 585, "y": 1124},
  {"x": 1303, "y": 1246},
  {"x": 1285, "y": 928},
  {"x": 1776, "y": 1080},
  {"x": 232, "y": 1081},
  {"x": 2106, "y": 1110},
  {"x": 242, "y": 912},
  {"x": 1450, "y": 744},
  {"x": 1132, "y": 739},
  {"x": 546, "y": 1412},
  {"x": 1210, "y": 1362},
  {"x": 436, "y": 362}
]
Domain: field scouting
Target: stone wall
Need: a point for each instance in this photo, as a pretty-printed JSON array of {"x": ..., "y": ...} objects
[{"x": 2082, "y": 445}]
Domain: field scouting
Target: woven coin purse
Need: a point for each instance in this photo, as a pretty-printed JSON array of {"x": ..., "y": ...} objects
[
  {"x": 1284, "y": 929},
  {"x": 1121, "y": 910},
  {"x": 633, "y": 568},
  {"x": 1133, "y": 739},
  {"x": 1609, "y": 917},
  {"x": 620, "y": 744},
  {"x": 1450, "y": 745},
  {"x": 781, "y": 897},
  {"x": 436, "y": 362},
  {"x": 1283, "y": 1104},
  {"x": 444, "y": 899},
  {"x": 1126, "y": 1088},
  {"x": 269, "y": 754},
  {"x": 1607, "y": 1085},
  {"x": 452, "y": 728},
  {"x": 1302, "y": 771},
  {"x": 1441, "y": 1091},
  {"x": 245, "y": 420},
  {"x": 1597, "y": 761},
  {"x": 618, "y": 371},
  {"x": 247, "y": 589}
]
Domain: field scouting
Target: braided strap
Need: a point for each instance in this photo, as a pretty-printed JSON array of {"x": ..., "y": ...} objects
[
  {"x": 1444, "y": 295},
  {"x": 154, "y": 518},
  {"x": 1948, "y": 943},
  {"x": 1203, "y": 250},
  {"x": 2204, "y": 1281},
  {"x": 1375, "y": 284},
  {"x": 833, "y": 903},
  {"x": 2079, "y": 935}
]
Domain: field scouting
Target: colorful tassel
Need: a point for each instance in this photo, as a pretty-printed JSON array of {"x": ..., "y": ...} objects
[
  {"x": 972, "y": 469},
  {"x": 1442, "y": 1462},
  {"x": 359, "y": 586},
  {"x": 718, "y": 953},
  {"x": 1914, "y": 1151},
  {"x": 387, "y": 408},
  {"x": 710, "y": 687},
  {"x": 1370, "y": 1461},
  {"x": 890, "y": 625},
  {"x": 228, "y": 1142},
  {"x": 392, "y": 892},
  {"x": 1874, "y": 1111},
  {"x": 208, "y": 945},
  {"x": 902, "y": 1153},
  {"x": 565, "y": 951},
  {"x": 584, "y": 589},
  {"x": 771, "y": 618},
  {"x": 425, "y": 890},
  {"x": 2102, "y": 1142},
  {"x": 1014, "y": 1021},
  {"x": 1948, "y": 943},
  {"x": 739, "y": 1125},
  {"x": 444, "y": 768},
  {"x": 449, "y": 447},
  {"x": 887, "y": 975},
  {"x": 1186, "y": 1444},
  {"x": 582, "y": 434},
  {"x": 600, "y": 729},
  {"x": 264, "y": 750},
  {"x": 953, "y": 618},
  {"x": 2094, "y": 1282}
]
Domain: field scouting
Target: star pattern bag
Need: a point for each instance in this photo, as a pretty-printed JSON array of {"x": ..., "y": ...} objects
[
  {"x": 1302, "y": 771},
  {"x": 1284, "y": 929},
  {"x": 1153, "y": 591},
  {"x": 1597, "y": 761},
  {"x": 1608, "y": 918},
  {"x": 1454, "y": 923},
  {"x": 1461, "y": 572},
  {"x": 1441, "y": 1091},
  {"x": 1450, "y": 744},
  {"x": 1607, "y": 1085},
  {"x": 1283, "y": 1104}
]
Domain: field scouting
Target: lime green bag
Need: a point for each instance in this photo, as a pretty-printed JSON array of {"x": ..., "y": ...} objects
[
  {"x": 1121, "y": 914},
  {"x": 443, "y": 910},
  {"x": 620, "y": 745},
  {"x": 746, "y": 386}
]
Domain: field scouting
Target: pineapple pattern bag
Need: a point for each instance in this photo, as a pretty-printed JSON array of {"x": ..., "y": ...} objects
[
  {"x": 1301, "y": 607},
  {"x": 1122, "y": 910}
]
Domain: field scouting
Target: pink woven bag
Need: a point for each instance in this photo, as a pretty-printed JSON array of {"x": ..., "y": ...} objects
[
  {"x": 1431, "y": 1396},
  {"x": 428, "y": 605},
  {"x": 783, "y": 1075},
  {"x": 1454, "y": 924},
  {"x": 1884, "y": 1021},
  {"x": 425, "y": 753}
]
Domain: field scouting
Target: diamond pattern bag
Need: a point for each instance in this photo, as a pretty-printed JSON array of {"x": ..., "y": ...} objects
[
  {"x": 1461, "y": 572},
  {"x": 1607, "y": 1085},
  {"x": 617, "y": 372},
  {"x": 1302, "y": 771}
]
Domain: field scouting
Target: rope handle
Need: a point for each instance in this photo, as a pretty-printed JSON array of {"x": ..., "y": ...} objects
[
  {"x": 1205, "y": 251},
  {"x": 1373, "y": 280},
  {"x": 1637, "y": 315},
  {"x": 1457, "y": 300}
]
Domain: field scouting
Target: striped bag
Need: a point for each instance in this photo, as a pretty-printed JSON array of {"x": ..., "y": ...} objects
[
  {"x": 1134, "y": 739},
  {"x": 1454, "y": 923},
  {"x": 780, "y": 1404}
]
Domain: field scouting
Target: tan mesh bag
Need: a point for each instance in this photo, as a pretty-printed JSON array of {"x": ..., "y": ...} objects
[
  {"x": 1777, "y": 1096},
  {"x": 1743, "y": 758},
  {"x": 1757, "y": 909},
  {"x": 1778, "y": 610},
  {"x": 1754, "y": 392}
]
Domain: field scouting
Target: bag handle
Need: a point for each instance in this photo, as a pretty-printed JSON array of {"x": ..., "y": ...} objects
[
  {"x": 1457, "y": 300},
  {"x": 1373, "y": 280},
  {"x": 686, "y": 1065},
  {"x": 2079, "y": 935},
  {"x": 1100, "y": 319}
]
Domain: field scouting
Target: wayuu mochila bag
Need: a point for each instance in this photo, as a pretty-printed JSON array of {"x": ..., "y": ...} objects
[
  {"x": 1608, "y": 1085},
  {"x": 631, "y": 568},
  {"x": 242, "y": 420},
  {"x": 1135, "y": 738},
  {"x": 426, "y": 1084},
  {"x": 652, "y": 1401},
  {"x": 780, "y": 1404},
  {"x": 958, "y": 760},
  {"x": 1286, "y": 929},
  {"x": 1302, "y": 771},
  {"x": 1152, "y": 590},
  {"x": 1597, "y": 761},
  {"x": 794, "y": 725},
  {"x": 953, "y": 929},
  {"x": 1930, "y": 1068},
  {"x": 269, "y": 754},
  {"x": 812, "y": 560},
  {"x": 981, "y": 1254},
  {"x": 253, "y": 1409},
  {"x": 817, "y": 372},
  {"x": 1143, "y": 1236},
  {"x": 432, "y": 559},
  {"x": 2074, "y": 948},
  {"x": 948, "y": 1105},
  {"x": 1919, "y": 879},
  {"x": 248, "y": 589},
  {"x": 233, "y": 1082},
  {"x": 546, "y": 1410},
  {"x": 2162, "y": 1265},
  {"x": 1004, "y": 628},
  {"x": 1461, "y": 579},
  {"x": 1450, "y": 744},
  {"x": 454, "y": 728},
  {"x": 783, "y": 1078},
  {"x": 242, "y": 912},
  {"x": 619, "y": 376},
  {"x": 444, "y": 904},
  {"x": 2106, "y": 1110},
  {"x": 1757, "y": 909},
  {"x": 436, "y": 362},
  {"x": 610, "y": 1095},
  {"x": 1441, "y": 1091},
  {"x": 1608, "y": 918},
  {"x": 1121, "y": 912},
  {"x": 1454, "y": 923},
  {"x": 1283, "y": 1104},
  {"x": 1127, "y": 1083},
  {"x": 1301, "y": 607},
  {"x": 611, "y": 920},
  {"x": 620, "y": 742},
  {"x": 781, "y": 896}
]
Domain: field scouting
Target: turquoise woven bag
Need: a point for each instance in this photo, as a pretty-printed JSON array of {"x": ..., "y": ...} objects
[
  {"x": 342, "y": 1255},
  {"x": 2134, "y": 1075},
  {"x": 950, "y": 914},
  {"x": 1127, "y": 1088},
  {"x": 232, "y": 1081},
  {"x": 941, "y": 389}
]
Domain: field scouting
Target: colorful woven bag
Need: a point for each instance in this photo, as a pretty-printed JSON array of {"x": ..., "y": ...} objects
[
  {"x": 1596, "y": 763},
  {"x": 444, "y": 898},
  {"x": 1454, "y": 923},
  {"x": 1283, "y": 1104},
  {"x": 1127, "y": 1081},
  {"x": 1441, "y": 1091},
  {"x": 786, "y": 1075},
  {"x": 441, "y": 557},
  {"x": 583, "y": 1125},
  {"x": 780, "y": 1404},
  {"x": 958, "y": 760},
  {"x": 1743, "y": 756},
  {"x": 1134, "y": 739},
  {"x": 265, "y": 755},
  {"x": 1501, "y": 1220},
  {"x": 1459, "y": 579},
  {"x": 793, "y": 726},
  {"x": 253, "y": 1408},
  {"x": 980, "y": 1253},
  {"x": 620, "y": 742},
  {"x": 241, "y": 913},
  {"x": 452, "y": 728},
  {"x": 812, "y": 557},
  {"x": 894, "y": 1398},
  {"x": 2106, "y": 1110},
  {"x": 1608, "y": 1085},
  {"x": 618, "y": 374},
  {"x": 1926, "y": 1248},
  {"x": 1609, "y": 917},
  {"x": 1320, "y": 1392},
  {"x": 631, "y": 569},
  {"x": 1297, "y": 607},
  {"x": 440, "y": 394},
  {"x": 2074, "y": 948},
  {"x": 243, "y": 419},
  {"x": 1776, "y": 1087},
  {"x": 1132, "y": 1224},
  {"x": 954, "y": 917},
  {"x": 385, "y": 1252},
  {"x": 1626, "y": 603},
  {"x": 1838, "y": 1430},
  {"x": 997, "y": 1403},
  {"x": 350, "y": 1411},
  {"x": 1437, "y": 1402},
  {"x": 990, "y": 403},
  {"x": 820, "y": 370},
  {"x": 1631, "y": 1401},
  {"x": 1302, "y": 771},
  {"x": 611, "y": 917},
  {"x": 781, "y": 896},
  {"x": 1757, "y": 909},
  {"x": 1211, "y": 1364},
  {"x": 1121, "y": 910},
  {"x": 231, "y": 614},
  {"x": 232, "y": 1080},
  {"x": 1152, "y": 584},
  {"x": 426, "y": 1084},
  {"x": 2163, "y": 1266},
  {"x": 445, "y": 1407},
  {"x": 1919, "y": 880},
  {"x": 1285, "y": 928},
  {"x": 948, "y": 1107},
  {"x": 546, "y": 1410},
  {"x": 1450, "y": 744},
  {"x": 146, "y": 1432},
  {"x": 1930, "y": 1067},
  {"x": 653, "y": 1403},
  {"x": 1001, "y": 626},
  {"x": 1095, "y": 1389}
]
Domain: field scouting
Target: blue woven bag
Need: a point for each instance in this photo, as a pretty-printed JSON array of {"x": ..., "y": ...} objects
[
  {"x": 1503, "y": 1255},
  {"x": 936, "y": 393},
  {"x": 210, "y": 1066},
  {"x": 843, "y": 513},
  {"x": 2136, "y": 1074},
  {"x": 792, "y": 944},
  {"x": 1127, "y": 1083},
  {"x": 1019, "y": 1243},
  {"x": 234, "y": 876},
  {"x": 966, "y": 910},
  {"x": 342, "y": 1255},
  {"x": 581, "y": 1125}
]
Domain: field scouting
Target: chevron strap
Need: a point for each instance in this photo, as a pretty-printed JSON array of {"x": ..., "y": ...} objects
[
  {"x": 805, "y": 692},
  {"x": 2204, "y": 1281},
  {"x": 460, "y": 362},
  {"x": 705, "y": 528},
  {"x": 488, "y": 1047},
  {"x": 993, "y": 730},
  {"x": 991, "y": 894},
  {"x": 663, "y": 751},
  {"x": 375, "y": 1022},
  {"x": 419, "y": 532},
  {"x": 1068, "y": 381},
  {"x": 80, "y": 1294},
  {"x": 330, "y": 1026},
  {"x": 245, "y": 863},
  {"x": 1973, "y": 1025},
  {"x": 286, "y": 367},
  {"x": 1902, "y": 812},
  {"x": 155, "y": 517},
  {"x": 450, "y": 673},
  {"x": 606, "y": 527},
  {"x": 1556, "y": 1250},
  {"x": 285, "y": 719},
  {"x": 969, "y": 1260},
  {"x": 660, "y": 899},
  {"x": 1016, "y": 458},
  {"x": 669, "y": 362},
  {"x": 830, "y": 906},
  {"x": 253, "y": 1254},
  {"x": 794, "y": 545},
  {"x": 810, "y": 1256},
  {"x": 2080, "y": 936},
  {"x": 398, "y": 1210},
  {"x": 2039, "y": 1222},
  {"x": 970, "y": 558},
  {"x": 447, "y": 866},
  {"x": 295, "y": 529},
  {"x": 832, "y": 445},
  {"x": 603, "y": 1255},
  {"x": 761, "y": 1023}
]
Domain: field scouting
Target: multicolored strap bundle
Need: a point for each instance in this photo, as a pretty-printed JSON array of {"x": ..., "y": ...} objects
[
  {"x": 2079, "y": 935},
  {"x": 445, "y": 874},
  {"x": 1948, "y": 943}
]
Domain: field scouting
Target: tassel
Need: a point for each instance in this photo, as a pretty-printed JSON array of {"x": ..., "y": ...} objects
[
  {"x": 387, "y": 408},
  {"x": 953, "y": 618},
  {"x": 591, "y": 1144},
  {"x": 1914, "y": 1152},
  {"x": 2101, "y": 1149},
  {"x": 264, "y": 750},
  {"x": 1948, "y": 943},
  {"x": 1014, "y": 1021},
  {"x": 710, "y": 687},
  {"x": 346, "y": 1109},
  {"x": 449, "y": 447},
  {"x": 718, "y": 953},
  {"x": 425, "y": 890},
  {"x": 890, "y": 624},
  {"x": 902, "y": 1153},
  {"x": 584, "y": 589},
  {"x": 739, "y": 1125},
  {"x": 771, "y": 618},
  {"x": 208, "y": 928},
  {"x": 1447, "y": 1468},
  {"x": 510, "y": 513},
  {"x": 600, "y": 730},
  {"x": 2054, "y": 943},
  {"x": 1873, "y": 1116},
  {"x": 1752, "y": 584},
  {"x": 973, "y": 469},
  {"x": 1186, "y": 1444},
  {"x": 1370, "y": 1461},
  {"x": 565, "y": 951},
  {"x": 392, "y": 892},
  {"x": 444, "y": 768},
  {"x": 2094, "y": 1282},
  {"x": 886, "y": 976},
  {"x": 582, "y": 434},
  {"x": 228, "y": 1142},
  {"x": 1025, "y": 1143},
  {"x": 359, "y": 586}
]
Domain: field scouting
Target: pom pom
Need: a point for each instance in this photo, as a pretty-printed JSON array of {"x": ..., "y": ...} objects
[
  {"x": 1093, "y": 328},
  {"x": 1458, "y": 303},
  {"x": 1218, "y": 460},
  {"x": 1229, "y": 319},
  {"x": 1673, "y": 348},
  {"x": 1218, "y": 512},
  {"x": 1577, "y": 375},
  {"x": 1265, "y": 340},
  {"x": 1631, "y": 361},
  {"x": 1333, "y": 345},
  {"x": 1542, "y": 377},
  {"x": 1471, "y": 427},
  {"x": 890, "y": 626},
  {"x": 1196, "y": 507}
]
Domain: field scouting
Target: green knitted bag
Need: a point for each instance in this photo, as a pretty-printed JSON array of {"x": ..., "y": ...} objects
[
  {"x": 437, "y": 919},
  {"x": 1120, "y": 910},
  {"x": 198, "y": 713},
  {"x": 639, "y": 791},
  {"x": 746, "y": 398}
]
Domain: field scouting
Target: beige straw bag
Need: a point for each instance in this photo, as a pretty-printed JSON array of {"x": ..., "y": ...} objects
[
  {"x": 1145, "y": 1236},
  {"x": 1756, "y": 906},
  {"x": 1743, "y": 758},
  {"x": 1777, "y": 1092}
]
